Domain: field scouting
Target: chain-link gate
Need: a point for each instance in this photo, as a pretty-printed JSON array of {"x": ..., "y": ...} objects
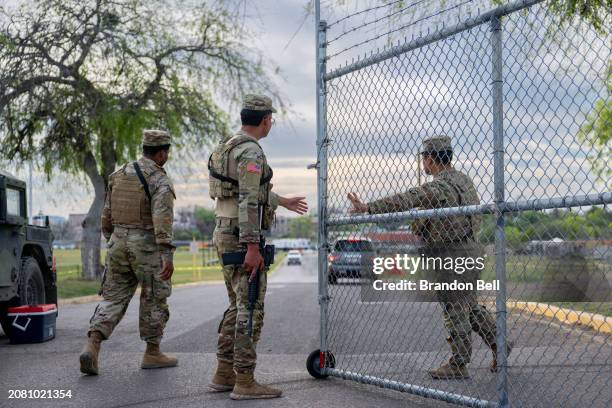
[{"x": 527, "y": 106}]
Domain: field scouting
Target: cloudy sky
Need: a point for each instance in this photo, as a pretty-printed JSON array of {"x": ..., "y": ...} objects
[{"x": 378, "y": 116}]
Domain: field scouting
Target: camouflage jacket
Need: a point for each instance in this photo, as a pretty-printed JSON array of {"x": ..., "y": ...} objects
[
  {"x": 247, "y": 163},
  {"x": 159, "y": 211},
  {"x": 449, "y": 188}
]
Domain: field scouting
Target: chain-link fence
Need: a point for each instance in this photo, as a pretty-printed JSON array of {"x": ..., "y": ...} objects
[{"x": 524, "y": 194}]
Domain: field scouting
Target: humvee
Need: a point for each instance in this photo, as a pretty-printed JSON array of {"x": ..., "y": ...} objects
[{"x": 27, "y": 267}]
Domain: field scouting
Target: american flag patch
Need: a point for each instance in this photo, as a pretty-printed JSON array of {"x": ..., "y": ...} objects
[{"x": 253, "y": 168}]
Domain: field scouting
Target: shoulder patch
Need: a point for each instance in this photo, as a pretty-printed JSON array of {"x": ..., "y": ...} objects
[{"x": 253, "y": 167}]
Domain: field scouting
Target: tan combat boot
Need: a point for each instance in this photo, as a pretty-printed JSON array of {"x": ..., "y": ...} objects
[
  {"x": 247, "y": 388},
  {"x": 153, "y": 358},
  {"x": 224, "y": 378},
  {"x": 450, "y": 372},
  {"x": 89, "y": 355},
  {"x": 493, "y": 365}
]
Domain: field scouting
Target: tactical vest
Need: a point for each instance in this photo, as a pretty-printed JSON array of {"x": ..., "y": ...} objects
[
  {"x": 223, "y": 180},
  {"x": 130, "y": 205}
]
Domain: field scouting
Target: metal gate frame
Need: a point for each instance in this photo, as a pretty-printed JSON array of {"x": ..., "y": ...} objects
[{"x": 499, "y": 207}]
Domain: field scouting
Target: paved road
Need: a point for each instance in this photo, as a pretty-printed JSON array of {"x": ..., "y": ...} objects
[
  {"x": 290, "y": 334},
  {"x": 397, "y": 340}
]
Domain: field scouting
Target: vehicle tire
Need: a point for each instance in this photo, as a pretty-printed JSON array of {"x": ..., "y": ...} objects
[
  {"x": 313, "y": 364},
  {"x": 6, "y": 324},
  {"x": 31, "y": 286}
]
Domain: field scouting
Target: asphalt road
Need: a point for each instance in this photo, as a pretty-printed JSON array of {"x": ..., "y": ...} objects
[{"x": 550, "y": 365}]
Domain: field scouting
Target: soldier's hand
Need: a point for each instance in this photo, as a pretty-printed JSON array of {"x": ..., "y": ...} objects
[
  {"x": 167, "y": 270},
  {"x": 358, "y": 205},
  {"x": 295, "y": 204},
  {"x": 253, "y": 260}
]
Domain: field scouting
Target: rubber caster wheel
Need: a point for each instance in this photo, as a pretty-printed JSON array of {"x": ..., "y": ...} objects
[{"x": 313, "y": 364}]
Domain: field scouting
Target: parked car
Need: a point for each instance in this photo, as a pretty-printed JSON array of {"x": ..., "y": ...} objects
[
  {"x": 351, "y": 258},
  {"x": 294, "y": 258}
]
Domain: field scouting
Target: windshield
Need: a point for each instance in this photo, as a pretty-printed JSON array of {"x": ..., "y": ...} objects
[{"x": 353, "y": 246}]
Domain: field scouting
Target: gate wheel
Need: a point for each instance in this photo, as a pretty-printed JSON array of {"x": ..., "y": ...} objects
[{"x": 313, "y": 363}]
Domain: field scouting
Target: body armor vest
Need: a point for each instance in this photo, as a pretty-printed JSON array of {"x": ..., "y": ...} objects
[
  {"x": 223, "y": 180},
  {"x": 130, "y": 205}
]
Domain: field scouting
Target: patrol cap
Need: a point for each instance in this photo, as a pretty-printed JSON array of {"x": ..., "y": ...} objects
[
  {"x": 436, "y": 144},
  {"x": 155, "y": 137},
  {"x": 257, "y": 103}
]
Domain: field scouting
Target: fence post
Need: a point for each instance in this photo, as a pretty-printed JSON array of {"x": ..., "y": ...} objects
[
  {"x": 499, "y": 190},
  {"x": 322, "y": 172}
]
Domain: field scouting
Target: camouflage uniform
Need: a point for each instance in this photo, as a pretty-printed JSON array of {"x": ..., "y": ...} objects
[
  {"x": 140, "y": 238},
  {"x": 443, "y": 237},
  {"x": 242, "y": 159}
]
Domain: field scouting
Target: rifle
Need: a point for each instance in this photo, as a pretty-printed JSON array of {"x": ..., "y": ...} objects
[{"x": 237, "y": 258}]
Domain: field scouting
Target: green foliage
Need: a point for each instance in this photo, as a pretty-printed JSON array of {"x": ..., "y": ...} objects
[
  {"x": 187, "y": 235},
  {"x": 538, "y": 225},
  {"x": 593, "y": 12},
  {"x": 205, "y": 221},
  {"x": 301, "y": 227},
  {"x": 597, "y": 133}
]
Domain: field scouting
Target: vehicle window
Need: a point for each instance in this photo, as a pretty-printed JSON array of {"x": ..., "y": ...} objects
[
  {"x": 353, "y": 246},
  {"x": 13, "y": 202}
]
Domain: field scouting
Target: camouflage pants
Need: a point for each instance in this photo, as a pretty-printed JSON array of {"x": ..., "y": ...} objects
[
  {"x": 133, "y": 258},
  {"x": 460, "y": 308},
  {"x": 460, "y": 318},
  {"x": 234, "y": 343}
]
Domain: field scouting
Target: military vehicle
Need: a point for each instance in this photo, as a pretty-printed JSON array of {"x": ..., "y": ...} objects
[{"x": 27, "y": 267}]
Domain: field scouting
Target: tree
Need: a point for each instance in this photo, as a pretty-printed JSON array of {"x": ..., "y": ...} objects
[
  {"x": 205, "y": 221},
  {"x": 81, "y": 79},
  {"x": 597, "y": 133},
  {"x": 300, "y": 227}
]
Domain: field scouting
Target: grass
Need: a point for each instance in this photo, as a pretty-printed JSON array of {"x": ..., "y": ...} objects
[
  {"x": 525, "y": 272},
  {"x": 70, "y": 284}
]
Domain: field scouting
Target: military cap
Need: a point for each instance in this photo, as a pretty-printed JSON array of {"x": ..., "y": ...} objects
[
  {"x": 257, "y": 103},
  {"x": 155, "y": 137},
  {"x": 436, "y": 144}
]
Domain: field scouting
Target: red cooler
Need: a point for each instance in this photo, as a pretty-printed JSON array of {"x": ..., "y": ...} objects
[{"x": 31, "y": 323}]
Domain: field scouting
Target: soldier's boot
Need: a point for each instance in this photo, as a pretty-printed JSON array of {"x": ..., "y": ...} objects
[
  {"x": 224, "y": 378},
  {"x": 247, "y": 388},
  {"x": 493, "y": 365},
  {"x": 450, "y": 371},
  {"x": 90, "y": 352},
  {"x": 154, "y": 358}
]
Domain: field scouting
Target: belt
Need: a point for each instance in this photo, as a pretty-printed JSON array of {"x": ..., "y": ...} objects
[{"x": 131, "y": 229}]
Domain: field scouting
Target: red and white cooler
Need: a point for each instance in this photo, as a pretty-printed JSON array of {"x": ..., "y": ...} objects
[{"x": 31, "y": 323}]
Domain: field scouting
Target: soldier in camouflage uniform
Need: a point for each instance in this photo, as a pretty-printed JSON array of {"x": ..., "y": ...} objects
[
  {"x": 245, "y": 205},
  {"x": 444, "y": 237},
  {"x": 137, "y": 222}
]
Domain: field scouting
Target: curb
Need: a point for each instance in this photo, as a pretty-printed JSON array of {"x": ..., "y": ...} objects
[
  {"x": 95, "y": 298},
  {"x": 594, "y": 321}
]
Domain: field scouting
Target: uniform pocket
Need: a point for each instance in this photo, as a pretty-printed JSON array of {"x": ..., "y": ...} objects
[{"x": 161, "y": 288}]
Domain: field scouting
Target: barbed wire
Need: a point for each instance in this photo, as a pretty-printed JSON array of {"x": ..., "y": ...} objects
[
  {"x": 403, "y": 27},
  {"x": 363, "y": 12},
  {"x": 376, "y": 21}
]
